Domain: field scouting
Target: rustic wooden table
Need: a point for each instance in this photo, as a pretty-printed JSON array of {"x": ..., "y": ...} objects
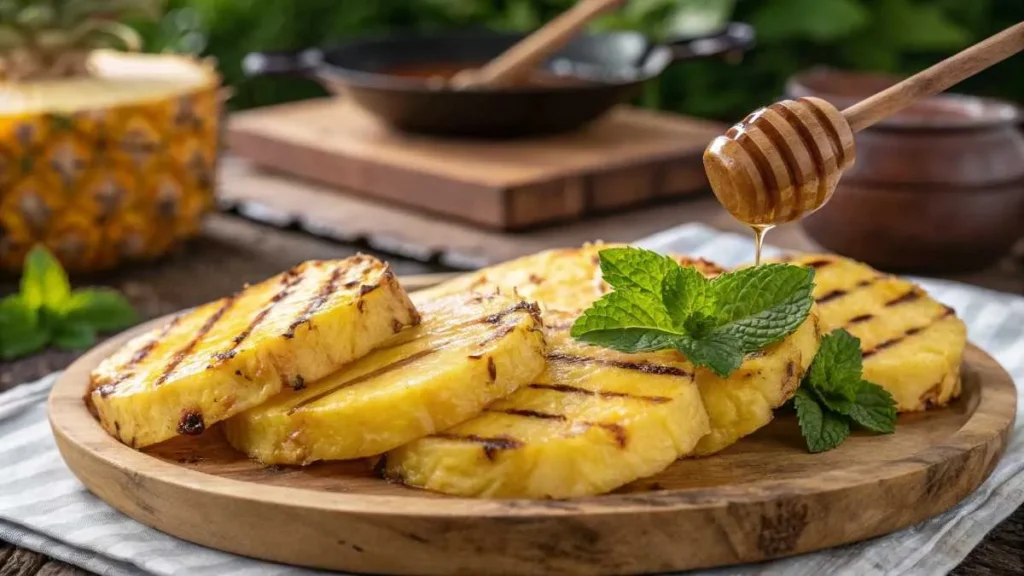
[{"x": 233, "y": 250}]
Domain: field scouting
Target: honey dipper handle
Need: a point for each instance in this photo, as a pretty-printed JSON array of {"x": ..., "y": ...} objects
[
  {"x": 520, "y": 59},
  {"x": 937, "y": 78}
]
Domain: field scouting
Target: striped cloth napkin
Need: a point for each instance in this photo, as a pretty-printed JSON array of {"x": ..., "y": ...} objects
[{"x": 44, "y": 508}]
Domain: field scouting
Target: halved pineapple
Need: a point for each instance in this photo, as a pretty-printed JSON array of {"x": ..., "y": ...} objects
[
  {"x": 569, "y": 280},
  {"x": 227, "y": 356},
  {"x": 563, "y": 279},
  {"x": 594, "y": 420},
  {"x": 912, "y": 345},
  {"x": 468, "y": 352}
]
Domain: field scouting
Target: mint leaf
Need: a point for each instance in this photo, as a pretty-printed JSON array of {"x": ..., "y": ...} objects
[
  {"x": 873, "y": 408},
  {"x": 74, "y": 336},
  {"x": 102, "y": 309},
  {"x": 687, "y": 294},
  {"x": 635, "y": 269},
  {"x": 835, "y": 371},
  {"x": 44, "y": 282},
  {"x": 20, "y": 329},
  {"x": 657, "y": 304},
  {"x": 761, "y": 305},
  {"x": 627, "y": 322},
  {"x": 822, "y": 429}
]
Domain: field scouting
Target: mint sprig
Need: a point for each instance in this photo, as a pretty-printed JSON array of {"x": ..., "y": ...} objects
[
  {"x": 656, "y": 304},
  {"x": 833, "y": 396},
  {"x": 47, "y": 311}
]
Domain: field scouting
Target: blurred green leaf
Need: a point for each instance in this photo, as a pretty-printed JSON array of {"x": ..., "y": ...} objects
[{"x": 819, "y": 20}]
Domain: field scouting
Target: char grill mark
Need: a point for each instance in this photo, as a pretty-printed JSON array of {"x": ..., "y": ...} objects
[
  {"x": 645, "y": 367},
  {"x": 529, "y": 307},
  {"x": 836, "y": 294},
  {"x": 372, "y": 374},
  {"x": 908, "y": 297},
  {"x": 618, "y": 433},
  {"x": 491, "y": 445},
  {"x": 183, "y": 353},
  {"x": 290, "y": 280},
  {"x": 816, "y": 264},
  {"x": 909, "y": 332},
  {"x": 566, "y": 389},
  {"x": 492, "y": 369},
  {"x": 316, "y": 303},
  {"x": 191, "y": 423},
  {"x": 859, "y": 319},
  {"x": 127, "y": 371}
]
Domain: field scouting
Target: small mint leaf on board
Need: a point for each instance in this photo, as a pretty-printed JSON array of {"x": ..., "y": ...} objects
[
  {"x": 20, "y": 330},
  {"x": 761, "y": 305},
  {"x": 102, "y": 309},
  {"x": 836, "y": 368},
  {"x": 74, "y": 336},
  {"x": 821, "y": 428},
  {"x": 44, "y": 282},
  {"x": 873, "y": 409}
]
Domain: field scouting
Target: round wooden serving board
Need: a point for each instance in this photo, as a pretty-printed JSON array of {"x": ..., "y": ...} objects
[{"x": 764, "y": 497}]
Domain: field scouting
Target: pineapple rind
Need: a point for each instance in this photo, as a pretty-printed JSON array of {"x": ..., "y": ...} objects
[
  {"x": 546, "y": 441},
  {"x": 913, "y": 345},
  {"x": 463, "y": 358},
  {"x": 297, "y": 327}
]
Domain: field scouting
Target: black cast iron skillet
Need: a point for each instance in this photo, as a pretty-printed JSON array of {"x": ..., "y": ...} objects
[{"x": 581, "y": 82}]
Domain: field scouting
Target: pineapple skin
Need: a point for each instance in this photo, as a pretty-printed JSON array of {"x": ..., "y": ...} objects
[
  {"x": 467, "y": 353},
  {"x": 913, "y": 346},
  {"x": 100, "y": 187},
  {"x": 595, "y": 420},
  {"x": 227, "y": 356}
]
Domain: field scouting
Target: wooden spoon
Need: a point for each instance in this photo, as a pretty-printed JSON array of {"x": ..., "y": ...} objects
[
  {"x": 783, "y": 161},
  {"x": 518, "y": 61}
]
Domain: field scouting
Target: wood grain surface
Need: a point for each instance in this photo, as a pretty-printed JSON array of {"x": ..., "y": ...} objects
[
  {"x": 763, "y": 498},
  {"x": 629, "y": 157}
]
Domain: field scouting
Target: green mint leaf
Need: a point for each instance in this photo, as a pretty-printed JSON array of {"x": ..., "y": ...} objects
[
  {"x": 20, "y": 330},
  {"x": 635, "y": 269},
  {"x": 103, "y": 309},
  {"x": 836, "y": 368},
  {"x": 627, "y": 321},
  {"x": 718, "y": 352},
  {"x": 761, "y": 305},
  {"x": 822, "y": 428},
  {"x": 688, "y": 298},
  {"x": 873, "y": 408},
  {"x": 44, "y": 282},
  {"x": 74, "y": 336}
]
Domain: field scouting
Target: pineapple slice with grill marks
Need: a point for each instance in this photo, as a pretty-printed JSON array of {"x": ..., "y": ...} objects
[
  {"x": 467, "y": 352},
  {"x": 595, "y": 420},
  {"x": 569, "y": 280},
  {"x": 911, "y": 344},
  {"x": 562, "y": 279},
  {"x": 227, "y": 356}
]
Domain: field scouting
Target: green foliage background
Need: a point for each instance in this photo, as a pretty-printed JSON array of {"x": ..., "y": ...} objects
[{"x": 899, "y": 36}]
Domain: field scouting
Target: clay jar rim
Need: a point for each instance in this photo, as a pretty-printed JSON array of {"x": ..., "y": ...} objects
[{"x": 947, "y": 111}]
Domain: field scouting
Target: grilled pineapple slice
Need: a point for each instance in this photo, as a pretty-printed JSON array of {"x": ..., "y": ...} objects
[
  {"x": 912, "y": 345},
  {"x": 225, "y": 357},
  {"x": 569, "y": 280},
  {"x": 467, "y": 352},
  {"x": 564, "y": 279},
  {"x": 594, "y": 420}
]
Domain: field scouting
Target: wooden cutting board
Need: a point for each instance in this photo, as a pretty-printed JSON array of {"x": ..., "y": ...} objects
[
  {"x": 765, "y": 497},
  {"x": 629, "y": 157}
]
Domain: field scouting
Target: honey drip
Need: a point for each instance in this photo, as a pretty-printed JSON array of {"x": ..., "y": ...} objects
[{"x": 759, "y": 231}]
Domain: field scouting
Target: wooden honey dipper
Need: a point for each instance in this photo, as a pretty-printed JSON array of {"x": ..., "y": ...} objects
[{"x": 783, "y": 161}]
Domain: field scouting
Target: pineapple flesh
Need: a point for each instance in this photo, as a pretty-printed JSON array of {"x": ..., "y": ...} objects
[
  {"x": 467, "y": 352},
  {"x": 911, "y": 344},
  {"x": 105, "y": 156},
  {"x": 569, "y": 280},
  {"x": 595, "y": 420},
  {"x": 222, "y": 358}
]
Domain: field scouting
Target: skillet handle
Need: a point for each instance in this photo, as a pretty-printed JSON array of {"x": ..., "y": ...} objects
[
  {"x": 737, "y": 38},
  {"x": 302, "y": 62}
]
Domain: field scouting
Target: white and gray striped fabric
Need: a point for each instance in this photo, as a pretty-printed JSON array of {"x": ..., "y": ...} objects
[{"x": 44, "y": 508}]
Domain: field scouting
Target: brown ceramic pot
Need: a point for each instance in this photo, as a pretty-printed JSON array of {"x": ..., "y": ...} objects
[{"x": 937, "y": 188}]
